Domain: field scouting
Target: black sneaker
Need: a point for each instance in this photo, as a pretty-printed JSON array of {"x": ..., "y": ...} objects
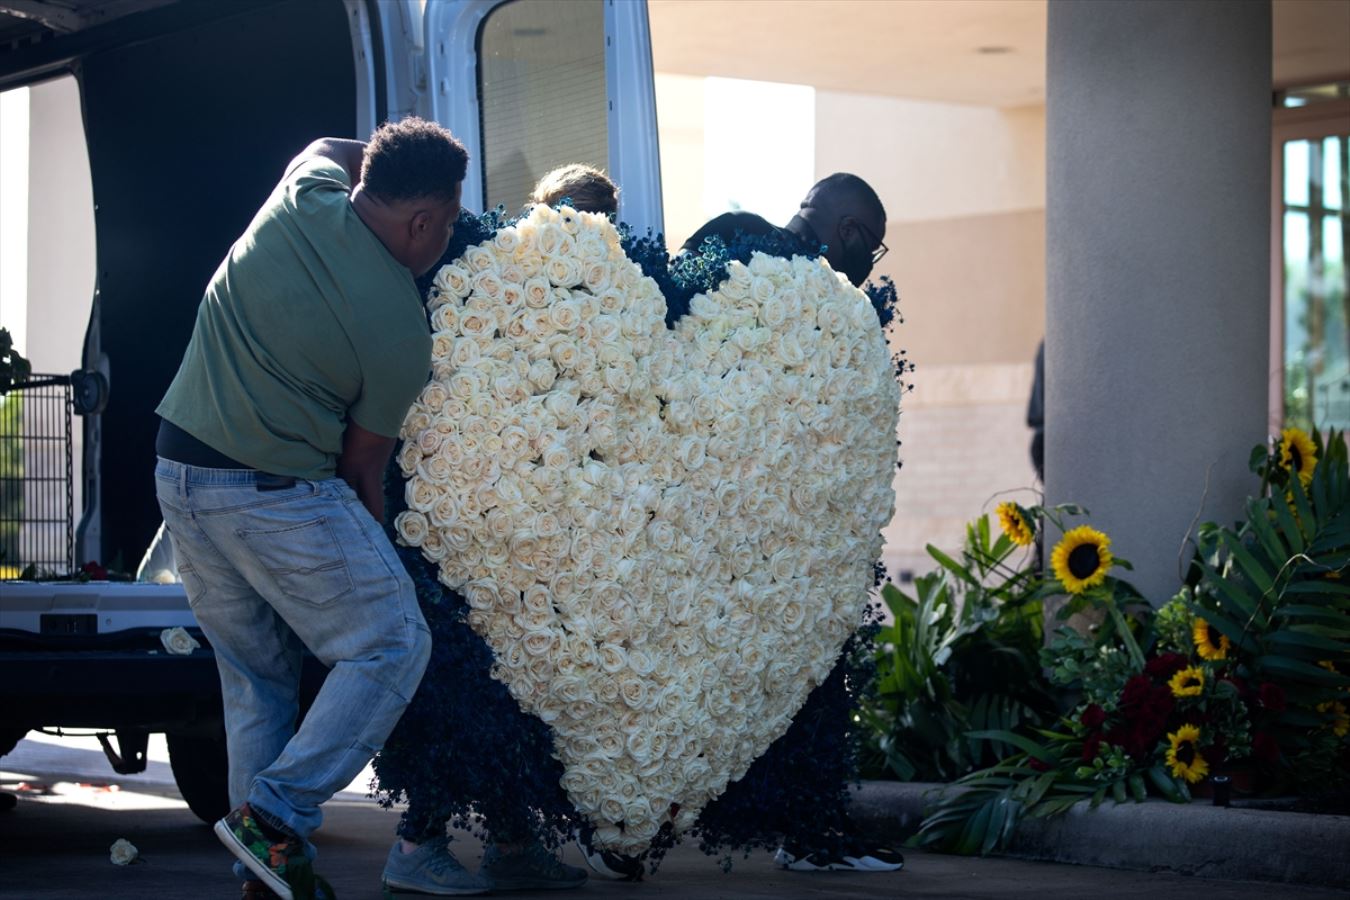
[
  {"x": 607, "y": 863},
  {"x": 857, "y": 858}
]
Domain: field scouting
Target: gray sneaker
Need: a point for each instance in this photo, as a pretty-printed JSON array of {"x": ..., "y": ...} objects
[
  {"x": 430, "y": 869},
  {"x": 531, "y": 869}
]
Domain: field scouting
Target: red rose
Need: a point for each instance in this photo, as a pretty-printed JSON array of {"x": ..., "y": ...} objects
[
  {"x": 1215, "y": 754},
  {"x": 95, "y": 571},
  {"x": 1091, "y": 745},
  {"x": 1165, "y": 666},
  {"x": 1144, "y": 706},
  {"x": 1271, "y": 697},
  {"x": 1265, "y": 748},
  {"x": 1093, "y": 716}
]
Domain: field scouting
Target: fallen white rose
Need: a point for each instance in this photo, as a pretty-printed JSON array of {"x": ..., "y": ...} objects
[
  {"x": 178, "y": 642},
  {"x": 123, "y": 852}
]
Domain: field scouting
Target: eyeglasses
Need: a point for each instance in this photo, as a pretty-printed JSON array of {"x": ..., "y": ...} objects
[{"x": 881, "y": 248}]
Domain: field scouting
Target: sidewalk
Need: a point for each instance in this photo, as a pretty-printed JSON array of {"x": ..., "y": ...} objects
[{"x": 55, "y": 847}]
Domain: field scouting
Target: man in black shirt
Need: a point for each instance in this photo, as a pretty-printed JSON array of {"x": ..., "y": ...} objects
[{"x": 841, "y": 212}]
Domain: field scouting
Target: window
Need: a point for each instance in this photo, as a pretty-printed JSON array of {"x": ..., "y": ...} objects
[
  {"x": 1314, "y": 185},
  {"x": 542, "y": 93}
]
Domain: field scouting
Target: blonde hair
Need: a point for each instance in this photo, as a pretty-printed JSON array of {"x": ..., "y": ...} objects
[{"x": 589, "y": 189}]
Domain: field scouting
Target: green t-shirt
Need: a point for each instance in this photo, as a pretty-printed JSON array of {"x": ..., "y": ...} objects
[{"x": 309, "y": 322}]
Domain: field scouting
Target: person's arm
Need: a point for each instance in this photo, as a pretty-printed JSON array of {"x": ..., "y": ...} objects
[
  {"x": 345, "y": 153},
  {"x": 365, "y": 455}
]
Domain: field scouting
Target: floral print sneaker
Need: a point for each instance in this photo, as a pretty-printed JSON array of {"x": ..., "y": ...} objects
[{"x": 280, "y": 865}]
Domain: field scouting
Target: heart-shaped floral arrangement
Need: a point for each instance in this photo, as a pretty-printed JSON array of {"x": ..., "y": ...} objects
[{"x": 664, "y": 536}]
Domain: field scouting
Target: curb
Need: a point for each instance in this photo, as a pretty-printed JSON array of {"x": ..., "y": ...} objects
[{"x": 1243, "y": 844}]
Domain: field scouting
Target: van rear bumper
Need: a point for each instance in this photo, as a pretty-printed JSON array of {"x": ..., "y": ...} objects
[{"x": 110, "y": 689}]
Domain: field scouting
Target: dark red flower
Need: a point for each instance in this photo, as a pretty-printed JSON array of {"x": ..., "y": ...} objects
[
  {"x": 1144, "y": 706},
  {"x": 1091, "y": 745},
  {"x": 1036, "y": 764},
  {"x": 1215, "y": 754},
  {"x": 1272, "y": 697},
  {"x": 1265, "y": 748},
  {"x": 1165, "y": 666},
  {"x": 1093, "y": 716},
  {"x": 95, "y": 571},
  {"x": 1137, "y": 690}
]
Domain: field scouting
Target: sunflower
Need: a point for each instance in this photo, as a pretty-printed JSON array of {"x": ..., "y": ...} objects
[
  {"x": 1189, "y": 682},
  {"x": 1081, "y": 558},
  {"x": 1208, "y": 642},
  {"x": 1015, "y": 524},
  {"x": 1183, "y": 757},
  {"x": 1298, "y": 454},
  {"x": 1340, "y": 717}
]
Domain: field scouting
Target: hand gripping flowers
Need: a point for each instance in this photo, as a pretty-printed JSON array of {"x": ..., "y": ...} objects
[{"x": 665, "y": 537}]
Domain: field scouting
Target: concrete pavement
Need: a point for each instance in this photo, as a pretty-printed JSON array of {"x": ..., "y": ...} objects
[{"x": 54, "y": 846}]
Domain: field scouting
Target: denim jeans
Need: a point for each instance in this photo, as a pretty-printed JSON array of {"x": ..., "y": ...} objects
[{"x": 267, "y": 571}]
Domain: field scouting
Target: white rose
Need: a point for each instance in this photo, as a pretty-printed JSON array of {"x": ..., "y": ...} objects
[
  {"x": 506, "y": 241},
  {"x": 487, "y": 284},
  {"x": 178, "y": 642},
  {"x": 445, "y": 318},
  {"x": 123, "y": 852},
  {"x": 411, "y": 526},
  {"x": 563, "y": 271},
  {"x": 455, "y": 280},
  {"x": 479, "y": 259}
]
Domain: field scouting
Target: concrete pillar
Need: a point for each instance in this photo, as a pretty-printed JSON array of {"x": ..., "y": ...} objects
[{"x": 1158, "y": 260}]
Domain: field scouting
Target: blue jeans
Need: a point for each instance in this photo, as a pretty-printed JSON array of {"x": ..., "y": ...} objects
[{"x": 267, "y": 571}]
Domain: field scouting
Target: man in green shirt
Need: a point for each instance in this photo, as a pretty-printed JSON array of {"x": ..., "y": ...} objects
[{"x": 310, "y": 345}]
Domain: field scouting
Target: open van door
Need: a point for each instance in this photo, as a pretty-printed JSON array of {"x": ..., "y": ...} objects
[{"x": 529, "y": 85}]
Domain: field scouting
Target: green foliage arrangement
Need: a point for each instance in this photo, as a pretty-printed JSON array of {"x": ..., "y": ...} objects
[
  {"x": 960, "y": 655},
  {"x": 1246, "y": 672}
]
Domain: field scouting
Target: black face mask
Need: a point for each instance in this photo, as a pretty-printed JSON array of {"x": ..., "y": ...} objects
[{"x": 857, "y": 262}]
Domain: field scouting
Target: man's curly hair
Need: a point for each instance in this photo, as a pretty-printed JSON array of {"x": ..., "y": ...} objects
[{"x": 413, "y": 159}]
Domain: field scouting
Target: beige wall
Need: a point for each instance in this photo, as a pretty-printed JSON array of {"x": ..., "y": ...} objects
[
  {"x": 680, "y": 127},
  {"x": 964, "y": 190}
]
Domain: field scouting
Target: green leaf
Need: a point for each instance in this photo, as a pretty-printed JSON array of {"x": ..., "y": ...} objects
[
  {"x": 1318, "y": 647},
  {"x": 1259, "y": 575},
  {"x": 1307, "y": 611},
  {"x": 950, "y": 564},
  {"x": 1137, "y": 787},
  {"x": 1301, "y": 671},
  {"x": 994, "y": 828},
  {"x": 1022, "y": 743},
  {"x": 1163, "y": 781},
  {"x": 972, "y": 836},
  {"x": 1306, "y": 520},
  {"x": 1256, "y": 515},
  {"x": 1242, "y": 605},
  {"x": 1287, "y": 524},
  {"x": 1318, "y": 587}
]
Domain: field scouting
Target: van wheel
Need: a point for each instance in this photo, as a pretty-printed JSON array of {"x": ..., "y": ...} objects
[
  {"x": 10, "y": 737},
  {"x": 202, "y": 770}
]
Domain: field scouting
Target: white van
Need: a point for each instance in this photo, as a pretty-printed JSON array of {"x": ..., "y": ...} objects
[{"x": 191, "y": 109}]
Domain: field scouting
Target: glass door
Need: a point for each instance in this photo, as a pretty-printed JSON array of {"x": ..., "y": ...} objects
[{"x": 1314, "y": 187}]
